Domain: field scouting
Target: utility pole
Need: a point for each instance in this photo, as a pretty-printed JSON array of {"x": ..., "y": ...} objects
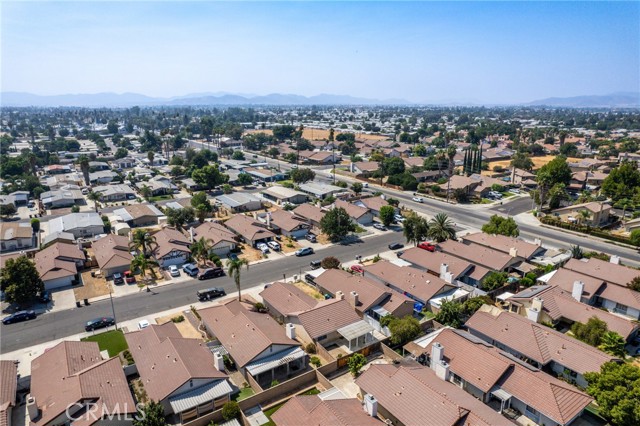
[{"x": 113, "y": 309}]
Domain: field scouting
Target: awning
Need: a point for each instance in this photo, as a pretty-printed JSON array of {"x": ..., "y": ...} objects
[
  {"x": 505, "y": 296},
  {"x": 501, "y": 394},
  {"x": 355, "y": 330},
  {"x": 524, "y": 267},
  {"x": 275, "y": 360},
  {"x": 380, "y": 311},
  {"x": 200, "y": 395}
]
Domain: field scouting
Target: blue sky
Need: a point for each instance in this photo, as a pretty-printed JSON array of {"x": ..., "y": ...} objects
[{"x": 493, "y": 52}]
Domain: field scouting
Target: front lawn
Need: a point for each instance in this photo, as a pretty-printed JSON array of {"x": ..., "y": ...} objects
[
  {"x": 111, "y": 341},
  {"x": 160, "y": 198},
  {"x": 244, "y": 394}
]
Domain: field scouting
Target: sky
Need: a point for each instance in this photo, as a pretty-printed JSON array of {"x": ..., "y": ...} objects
[{"x": 480, "y": 52}]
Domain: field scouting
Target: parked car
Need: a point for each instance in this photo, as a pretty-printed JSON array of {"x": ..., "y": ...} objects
[
  {"x": 191, "y": 269},
  {"x": 143, "y": 324},
  {"x": 274, "y": 245},
  {"x": 232, "y": 256},
  {"x": 45, "y": 296},
  {"x": 427, "y": 246},
  {"x": 357, "y": 268},
  {"x": 174, "y": 271},
  {"x": 210, "y": 273},
  {"x": 309, "y": 278},
  {"x": 118, "y": 278},
  {"x": 311, "y": 238},
  {"x": 210, "y": 293},
  {"x": 304, "y": 251},
  {"x": 315, "y": 264},
  {"x": 418, "y": 199},
  {"x": 19, "y": 317},
  {"x": 129, "y": 278},
  {"x": 399, "y": 253},
  {"x": 514, "y": 191},
  {"x": 379, "y": 226},
  {"x": 97, "y": 323},
  {"x": 263, "y": 248},
  {"x": 399, "y": 218},
  {"x": 395, "y": 246}
]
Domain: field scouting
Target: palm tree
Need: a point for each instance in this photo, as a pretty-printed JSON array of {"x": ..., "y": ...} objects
[
  {"x": 613, "y": 343},
  {"x": 200, "y": 249},
  {"x": 233, "y": 269},
  {"x": 150, "y": 156},
  {"x": 143, "y": 241},
  {"x": 441, "y": 228},
  {"x": 451, "y": 153},
  {"x": 583, "y": 216},
  {"x": 142, "y": 264},
  {"x": 576, "y": 252},
  {"x": 84, "y": 166},
  {"x": 95, "y": 197}
]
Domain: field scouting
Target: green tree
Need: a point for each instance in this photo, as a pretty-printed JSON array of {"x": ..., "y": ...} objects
[
  {"x": 151, "y": 414},
  {"x": 404, "y": 329},
  {"x": 441, "y": 228},
  {"x": 143, "y": 264},
  {"x": 200, "y": 249},
  {"x": 273, "y": 152},
  {"x": 209, "y": 177},
  {"x": 330, "y": 262},
  {"x": 83, "y": 160},
  {"x": 179, "y": 217},
  {"x": 143, "y": 241},
  {"x": 20, "y": 280},
  {"x": 634, "y": 284},
  {"x": 622, "y": 182},
  {"x": 337, "y": 224},
  {"x": 577, "y": 252},
  {"x": 121, "y": 153},
  {"x": 35, "y": 225},
  {"x": 494, "y": 280},
  {"x": 415, "y": 228},
  {"x": 521, "y": 160},
  {"x": 387, "y": 214},
  {"x": 237, "y": 155},
  {"x": 245, "y": 179},
  {"x": 557, "y": 171},
  {"x": 613, "y": 343},
  {"x": 591, "y": 332},
  {"x": 356, "y": 362},
  {"x": 230, "y": 410},
  {"x": 392, "y": 166},
  {"x": 471, "y": 306},
  {"x": 7, "y": 210},
  {"x": 499, "y": 225},
  {"x": 302, "y": 175},
  {"x": 227, "y": 189},
  {"x": 234, "y": 269},
  {"x": 450, "y": 313},
  {"x": 357, "y": 187},
  {"x": 95, "y": 197},
  {"x": 112, "y": 127},
  {"x": 201, "y": 204},
  {"x": 616, "y": 389}
]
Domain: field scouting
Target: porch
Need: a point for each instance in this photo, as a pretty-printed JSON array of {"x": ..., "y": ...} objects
[{"x": 279, "y": 366}]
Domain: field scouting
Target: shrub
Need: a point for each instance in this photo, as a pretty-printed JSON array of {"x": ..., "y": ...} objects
[
  {"x": 435, "y": 188},
  {"x": 311, "y": 348},
  {"x": 315, "y": 361},
  {"x": 330, "y": 262},
  {"x": 195, "y": 312},
  {"x": 126, "y": 354},
  {"x": 179, "y": 318},
  {"x": 356, "y": 362},
  {"x": 274, "y": 383},
  {"x": 230, "y": 410}
]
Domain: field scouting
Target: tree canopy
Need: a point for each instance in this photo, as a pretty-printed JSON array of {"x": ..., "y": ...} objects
[
  {"x": 404, "y": 329},
  {"x": 20, "y": 280},
  {"x": 499, "y": 225},
  {"x": 151, "y": 414},
  {"x": 616, "y": 389},
  {"x": 302, "y": 175},
  {"x": 337, "y": 224},
  {"x": 591, "y": 332},
  {"x": 622, "y": 182},
  {"x": 415, "y": 228},
  {"x": 209, "y": 177},
  {"x": 494, "y": 280},
  {"x": 387, "y": 214}
]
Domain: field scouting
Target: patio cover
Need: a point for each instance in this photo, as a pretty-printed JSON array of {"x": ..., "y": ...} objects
[
  {"x": 505, "y": 296},
  {"x": 200, "y": 395},
  {"x": 380, "y": 311},
  {"x": 355, "y": 330},
  {"x": 524, "y": 267},
  {"x": 275, "y": 360},
  {"x": 501, "y": 394}
]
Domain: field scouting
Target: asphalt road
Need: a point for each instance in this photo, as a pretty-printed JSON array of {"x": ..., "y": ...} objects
[{"x": 61, "y": 324}]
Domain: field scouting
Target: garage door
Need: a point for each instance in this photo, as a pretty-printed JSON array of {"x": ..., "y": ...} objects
[{"x": 58, "y": 283}]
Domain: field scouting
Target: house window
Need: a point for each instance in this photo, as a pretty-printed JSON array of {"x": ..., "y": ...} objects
[
  {"x": 321, "y": 338},
  {"x": 620, "y": 309},
  {"x": 532, "y": 413},
  {"x": 456, "y": 379}
]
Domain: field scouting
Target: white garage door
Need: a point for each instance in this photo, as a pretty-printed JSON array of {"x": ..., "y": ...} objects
[{"x": 57, "y": 283}]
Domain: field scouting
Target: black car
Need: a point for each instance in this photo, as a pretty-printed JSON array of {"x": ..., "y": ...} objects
[
  {"x": 400, "y": 253},
  {"x": 210, "y": 293},
  {"x": 118, "y": 278},
  {"x": 210, "y": 273},
  {"x": 97, "y": 323},
  {"x": 45, "y": 297},
  {"x": 19, "y": 317},
  {"x": 395, "y": 246}
]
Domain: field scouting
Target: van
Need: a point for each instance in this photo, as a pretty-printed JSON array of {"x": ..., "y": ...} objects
[{"x": 210, "y": 293}]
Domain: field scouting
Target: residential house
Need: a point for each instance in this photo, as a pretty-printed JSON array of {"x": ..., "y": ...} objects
[
  {"x": 56, "y": 169},
  {"x": 8, "y": 390},
  {"x": 160, "y": 185},
  {"x": 319, "y": 157},
  {"x": 598, "y": 213},
  {"x": 191, "y": 185},
  {"x": 123, "y": 163},
  {"x": 222, "y": 240},
  {"x": 70, "y": 379},
  {"x": 483, "y": 256},
  {"x": 249, "y": 230},
  {"x": 16, "y": 236},
  {"x": 320, "y": 190},
  {"x": 98, "y": 166},
  {"x": 632, "y": 225},
  {"x": 172, "y": 247},
  {"x": 264, "y": 175},
  {"x": 112, "y": 254},
  {"x": 457, "y": 182},
  {"x": 281, "y": 195},
  {"x": 415, "y": 395},
  {"x": 283, "y": 300},
  {"x": 285, "y": 223},
  {"x": 115, "y": 192},
  {"x": 359, "y": 215},
  {"x": 498, "y": 378},
  {"x": 485, "y": 184},
  {"x": 256, "y": 343},
  {"x": 181, "y": 374},
  {"x": 365, "y": 168},
  {"x": 104, "y": 176},
  {"x": 81, "y": 225},
  {"x": 313, "y": 410},
  {"x": 61, "y": 198},
  {"x": 411, "y": 162},
  {"x": 537, "y": 344},
  {"x": 58, "y": 264},
  {"x": 139, "y": 215},
  {"x": 312, "y": 214},
  {"x": 239, "y": 202},
  {"x": 374, "y": 204},
  {"x": 506, "y": 244},
  {"x": 428, "y": 176},
  {"x": 447, "y": 267}
]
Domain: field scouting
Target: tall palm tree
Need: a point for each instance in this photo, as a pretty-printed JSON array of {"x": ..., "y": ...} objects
[
  {"x": 234, "y": 267},
  {"x": 143, "y": 241},
  {"x": 142, "y": 264},
  {"x": 200, "y": 249},
  {"x": 84, "y": 166},
  {"x": 583, "y": 216},
  {"x": 441, "y": 228},
  {"x": 95, "y": 197},
  {"x": 451, "y": 153}
]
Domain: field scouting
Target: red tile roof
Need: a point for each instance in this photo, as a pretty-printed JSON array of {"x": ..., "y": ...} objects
[
  {"x": 605, "y": 271},
  {"x": 309, "y": 410}
]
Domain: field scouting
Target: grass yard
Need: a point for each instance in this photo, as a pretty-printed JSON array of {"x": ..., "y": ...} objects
[
  {"x": 160, "y": 198},
  {"x": 111, "y": 341},
  {"x": 313, "y": 391},
  {"x": 270, "y": 412},
  {"x": 244, "y": 394}
]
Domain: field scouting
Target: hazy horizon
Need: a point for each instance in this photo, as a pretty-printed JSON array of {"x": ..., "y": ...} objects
[{"x": 494, "y": 52}]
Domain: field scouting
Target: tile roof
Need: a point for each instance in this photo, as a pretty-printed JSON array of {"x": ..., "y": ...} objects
[
  {"x": 503, "y": 243},
  {"x": 72, "y": 372},
  {"x": 480, "y": 255},
  {"x": 310, "y": 410},
  {"x": 593, "y": 206},
  {"x": 8, "y": 388},
  {"x": 367, "y": 166},
  {"x": 309, "y": 212},
  {"x": 538, "y": 342},
  {"x": 564, "y": 278},
  {"x": 432, "y": 261},
  {"x": 328, "y": 317},
  {"x": 243, "y": 333},
  {"x": 166, "y": 360},
  {"x": 420, "y": 284},
  {"x": 215, "y": 232},
  {"x": 137, "y": 211},
  {"x": 248, "y": 228},
  {"x": 414, "y": 394},
  {"x": 112, "y": 251},
  {"x": 286, "y": 220},
  {"x": 605, "y": 271},
  {"x": 168, "y": 240},
  {"x": 287, "y": 298},
  {"x": 15, "y": 230}
]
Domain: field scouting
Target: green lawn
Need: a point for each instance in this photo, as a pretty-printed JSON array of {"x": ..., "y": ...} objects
[
  {"x": 270, "y": 412},
  {"x": 244, "y": 394},
  {"x": 112, "y": 341},
  {"x": 313, "y": 391},
  {"x": 160, "y": 198}
]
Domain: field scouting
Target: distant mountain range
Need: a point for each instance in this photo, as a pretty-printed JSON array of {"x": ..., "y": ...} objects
[{"x": 614, "y": 100}]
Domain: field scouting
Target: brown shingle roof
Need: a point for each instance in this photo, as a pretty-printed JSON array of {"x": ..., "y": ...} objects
[
  {"x": 355, "y": 212},
  {"x": 14, "y": 230},
  {"x": 287, "y": 298},
  {"x": 564, "y": 278},
  {"x": 374, "y": 203},
  {"x": 112, "y": 251},
  {"x": 248, "y": 228},
  {"x": 309, "y": 212},
  {"x": 503, "y": 243},
  {"x": 605, "y": 271},
  {"x": 480, "y": 255},
  {"x": 309, "y": 410},
  {"x": 65, "y": 250},
  {"x": 432, "y": 261},
  {"x": 420, "y": 284},
  {"x": 49, "y": 264},
  {"x": 166, "y": 360},
  {"x": 244, "y": 334},
  {"x": 214, "y": 232},
  {"x": 169, "y": 240},
  {"x": 367, "y": 166},
  {"x": 538, "y": 342},
  {"x": 286, "y": 220},
  {"x": 325, "y": 318}
]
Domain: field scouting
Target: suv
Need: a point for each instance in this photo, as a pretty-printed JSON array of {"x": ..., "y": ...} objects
[
  {"x": 210, "y": 293},
  {"x": 274, "y": 245},
  {"x": 117, "y": 278},
  {"x": 191, "y": 269},
  {"x": 304, "y": 251},
  {"x": 97, "y": 323},
  {"x": 311, "y": 238},
  {"x": 129, "y": 278},
  {"x": 210, "y": 273},
  {"x": 263, "y": 248},
  {"x": 315, "y": 264}
]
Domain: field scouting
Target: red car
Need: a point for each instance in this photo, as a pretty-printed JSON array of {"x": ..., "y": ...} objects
[
  {"x": 129, "y": 278},
  {"x": 427, "y": 246},
  {"x": 357, "y": 268}
]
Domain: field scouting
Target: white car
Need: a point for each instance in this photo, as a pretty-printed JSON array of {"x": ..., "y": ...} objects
[
  {"x": 418, "y": 199},
  {"x": 143, "y": 324},
  {"x": 174, "y": 271},
  {"x": 274, "y": 245},
  {"x": 399, "y": 218},
  {"x": 263, "y": 248},
  {"x": 379, "y": 226}
]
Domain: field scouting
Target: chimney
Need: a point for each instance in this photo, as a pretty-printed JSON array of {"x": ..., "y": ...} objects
[
  {"x": 444, "y": 269},
  {"x": 371, "y": 405},
  {"x": 437, "y": 353},
  {"x": 513, "y": 252},
  {"x": 354, "y": 298},
  {"x": 32, "y": 408},
  {"x": 290, "y": 330},
  {"x": 442, "y": 370},
  {"x": 615, "y": 259},
  {"x": 268, "y": 220},
  {"x": 578, "y": 288},
  {"x": 538, "y": 242},
  {"x": 191, "y": 235},
  {"x": 218, "y": 361},
  {"x": 339, "y": 295},
  {"x": 533, "y": 313}
]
